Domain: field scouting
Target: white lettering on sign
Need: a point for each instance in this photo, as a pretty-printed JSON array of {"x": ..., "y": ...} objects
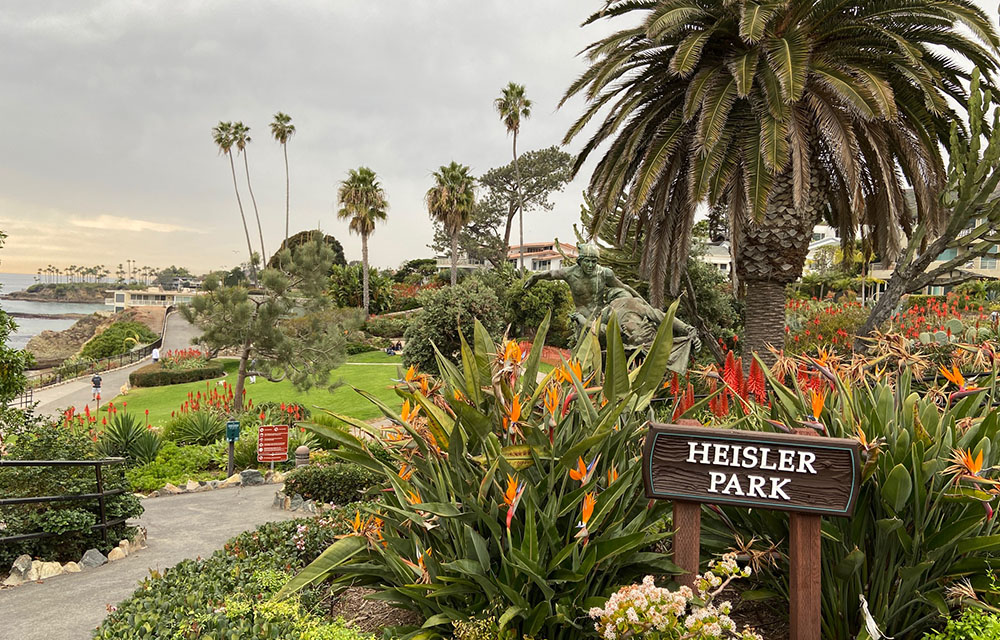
[{"x": 750, "y": 457}]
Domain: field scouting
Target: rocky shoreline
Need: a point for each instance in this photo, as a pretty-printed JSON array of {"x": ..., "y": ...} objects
[{"x": 71, "y": 296}]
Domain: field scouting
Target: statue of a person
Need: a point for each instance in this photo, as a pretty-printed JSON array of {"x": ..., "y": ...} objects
[
  {"x": 639, "y": 322},
  {"x": 588, "y": 282}
]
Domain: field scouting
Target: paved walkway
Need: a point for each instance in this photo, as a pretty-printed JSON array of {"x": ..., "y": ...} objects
[
  {"x": 70, "y": 606},
  {"x": 178, "y": 334}
]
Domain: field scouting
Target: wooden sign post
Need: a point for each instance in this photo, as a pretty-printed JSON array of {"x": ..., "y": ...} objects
[{"x": 806, "y": 475}]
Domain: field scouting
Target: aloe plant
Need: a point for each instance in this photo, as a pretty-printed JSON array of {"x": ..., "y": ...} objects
[
  {"x": 923, "y": 525},
  {"x": 507, "y": 490}
]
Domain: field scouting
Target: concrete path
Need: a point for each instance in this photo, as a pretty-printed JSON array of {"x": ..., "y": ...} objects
[
  {"x": 178, "y": 334},
  {"x": 70, "y": 606}
]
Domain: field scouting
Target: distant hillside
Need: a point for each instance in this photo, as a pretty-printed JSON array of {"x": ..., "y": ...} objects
[{"x": 63, "y": 292}]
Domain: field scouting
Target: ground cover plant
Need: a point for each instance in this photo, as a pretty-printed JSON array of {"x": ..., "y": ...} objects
[
  {"x": 336, "y": 483},
  {"x": 119, "y": 338},
  {"x": 507, "y": 491},
  {"x": 176, "y": 464},
  {"x": 227, "y": 594}
]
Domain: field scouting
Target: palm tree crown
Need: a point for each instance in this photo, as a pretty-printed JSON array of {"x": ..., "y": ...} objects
[
  {"x": 512, "y": 105},
  {"x": 362, "y": 201},
  {"x": 222, "y": 135},
  {"x": 282, "y": 128},
  {"x": 812, "y": 107},
  {"x": 452, "y": 198}
]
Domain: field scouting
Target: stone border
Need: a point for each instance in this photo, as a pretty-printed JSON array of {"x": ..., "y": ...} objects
[
  {"x": 25, "y": 570},
  {"x": 296, "y": 502},
  {"x": 249, "y": 478}
]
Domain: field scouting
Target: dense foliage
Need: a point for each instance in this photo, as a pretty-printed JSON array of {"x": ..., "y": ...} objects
[
  {"x": 526, "y": 308},
  {"x": 972, "y": 624},
  {"x": 121, "y": 337},
  {"x": 226, "y": 595},
  {"x": 176, "y": 464},
  {"x": 447, "y": 312},
  {"x": 30, "y": 437},
  {"x": 508, "y": 491},
  {"x": 13, "y": 362},
  {"x": 334, "y": 484},
  {"x": 125, "y": 435},
  {"x": 347, "y": 288},
  {"x": 158, "y": 375}
]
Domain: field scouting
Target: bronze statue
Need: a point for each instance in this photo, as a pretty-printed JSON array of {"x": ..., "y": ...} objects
[{"x": 597, "y": 292}]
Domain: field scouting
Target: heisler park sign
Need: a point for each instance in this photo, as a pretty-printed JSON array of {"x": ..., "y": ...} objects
[{"x": 752, "y": 469}]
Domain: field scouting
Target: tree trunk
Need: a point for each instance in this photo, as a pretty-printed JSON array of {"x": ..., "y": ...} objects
[
  {"x": 770, "y": 255},
  {"x": 520, "y": 205},
  {"x": 454, "y": 258},
  {"x": 246, "y": 229},
  {"x": 241, "y": 376},
  {"x": 284, "y": 147},
  {"x": 263, "y": 253},
  {"x": 895, "y": 288},
  {"x": 511, "y": 212},
  {"x": 364, "y": 271}
]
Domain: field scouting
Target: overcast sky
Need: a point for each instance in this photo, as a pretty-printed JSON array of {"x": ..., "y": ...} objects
[{"x": 106, "y": 111}]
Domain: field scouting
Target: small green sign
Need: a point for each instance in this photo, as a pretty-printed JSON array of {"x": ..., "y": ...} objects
[{"x": 233, "y": 430}]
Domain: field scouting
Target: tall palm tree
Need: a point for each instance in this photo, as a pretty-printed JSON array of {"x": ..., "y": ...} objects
[
  {"x": 362, "y": 202},
  {"x": 222, "y": 135},
  {"x": 513, "y": 105},
  {"x": 241, "y": 138},
  {"x": 784, "y": 112},
  {"x": 451, "y": 201},
  {"x": 282, "y": 129}
]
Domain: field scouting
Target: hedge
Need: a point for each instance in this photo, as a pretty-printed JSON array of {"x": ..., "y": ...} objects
[{"x": 154, "y": 375}]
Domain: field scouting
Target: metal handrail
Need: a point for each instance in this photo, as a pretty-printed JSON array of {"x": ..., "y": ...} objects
[{"x": 100, "y": 495}]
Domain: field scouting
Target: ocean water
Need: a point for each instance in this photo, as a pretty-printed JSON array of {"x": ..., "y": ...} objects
[{"x": 29, "y": 327}]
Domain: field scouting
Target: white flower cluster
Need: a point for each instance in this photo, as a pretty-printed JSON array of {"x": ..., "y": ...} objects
[{"x": 653, "y": 613}]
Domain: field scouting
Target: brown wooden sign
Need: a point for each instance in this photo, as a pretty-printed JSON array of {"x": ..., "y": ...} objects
[{"x": 788, "y": 472}]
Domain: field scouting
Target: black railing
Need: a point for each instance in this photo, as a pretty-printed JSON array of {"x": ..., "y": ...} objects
[
  {"x": 99, "y": 495},
  {"x": 26, "y": 399}
]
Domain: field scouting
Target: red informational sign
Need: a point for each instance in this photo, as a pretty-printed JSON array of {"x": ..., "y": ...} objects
[{"x": 272, "y": 443}]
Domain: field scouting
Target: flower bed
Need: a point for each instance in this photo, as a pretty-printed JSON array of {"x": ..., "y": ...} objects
[{"x": 180, "y": 359}]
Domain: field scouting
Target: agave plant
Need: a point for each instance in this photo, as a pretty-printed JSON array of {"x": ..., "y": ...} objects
[
  {"x": 198, "y": 427},
  {"x": 126, "y": 436},
  {"x": 505, "y": 490},
  {"x": 923, "y": 523}
]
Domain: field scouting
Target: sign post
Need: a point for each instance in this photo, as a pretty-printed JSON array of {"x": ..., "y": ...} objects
[
  {"x": 806, "y": 475},
  {"x": 272, "y": 443},
  {"x": 232, "y": 435}
]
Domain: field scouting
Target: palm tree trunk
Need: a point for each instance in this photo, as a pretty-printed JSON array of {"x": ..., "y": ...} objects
[
  {"x": 263, "y": 253},
  {"x": 454, "y": 258},
  {"x": 770, "y": 255},
  {"x": 364, "y": 271},
  {"x": 284, "y": 147},
  {"x": 520, "y": 205},
  {"x": 246, "y": 229}
]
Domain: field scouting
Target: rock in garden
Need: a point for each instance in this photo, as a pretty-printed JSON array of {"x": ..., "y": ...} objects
[
  {"x": 93, "y": 558},
  {"x": 233, "y": 480},
  {"x": 214, "y": 484},
  {"x": 171, "y": 489},
  {"x": 13, "y": 581},
  {"x": 192, "y": 486},
  {"x": 278, "y": 477},
  {"x": 71, "y": 567},
  {"x": 116, "y": 554},
  {"x": 33, "y": 570},
  {"x": 21, "y": 566},
  {"x": 139, "y": 539},
  {"x": 296, "y": 502},
  {"x": 124, "y": 546},
  {"x": 279, "y": 500},
  {"x": 48, "y": 570},
  {"x": 251, "y": 477}
]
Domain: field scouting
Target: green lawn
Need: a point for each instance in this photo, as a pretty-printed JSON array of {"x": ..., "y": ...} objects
[{"x": 369, "y": 371}]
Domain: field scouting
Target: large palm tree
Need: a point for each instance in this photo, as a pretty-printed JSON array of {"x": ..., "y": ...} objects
[
  {"x": 363, "y": 202},
  {"x": 241, "y": 138},
  {"x": 513, "y": 105},
  {"x": 784, "y": 112},
  {"x": 282, "y": 129},
  {"x": 222, "y": 135},
  {"x": 451, "y": 201}
]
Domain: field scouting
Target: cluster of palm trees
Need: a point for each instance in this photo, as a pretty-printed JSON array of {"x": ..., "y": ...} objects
[
  {"x": 72, "y": 273},
  {"x": 227, "y": 135},
  {"x": 450, "y": 201},
  {"x": 784, "y": 113}
]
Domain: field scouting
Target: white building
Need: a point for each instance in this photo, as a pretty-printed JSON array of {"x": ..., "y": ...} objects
[
  {"x": 538, "y": 256},
  {"x": 122, "y": 299},
  {"x": 718, "y": 253}
]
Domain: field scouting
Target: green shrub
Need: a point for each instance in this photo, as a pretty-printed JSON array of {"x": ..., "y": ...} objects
[
  {"x": 29, "y": 437},
  {"x": 446, "y": 312},
  {"x": 154, "y": 375},
  {"x": 354, "y": 348},
  {"x": 973, "y": 624},
  {"x": 121, "y": 337},
  {"x": 176, "y": 465},
  {"x": 346, "y": 288},
  {"x": 226, "y": 594},
  {"x": 196, "y": 427},
  {"x": 526, "y": 308},
  {"x": 919, "y": 300},
  {"x": 486, "y": 504},
  {"x": 919, "y": 527},
  {"x": 335, "y": 484},
  {"x": 383, "y": 327},
  {"x": 125, "y": 436}
]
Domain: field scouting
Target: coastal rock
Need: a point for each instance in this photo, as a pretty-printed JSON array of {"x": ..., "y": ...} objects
[
  {"x": 93, "y": 558},
  {"x": 251, "y": 477},
  {"x": 71, "y": 567},
  {"x": 116, "y": 554}
]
